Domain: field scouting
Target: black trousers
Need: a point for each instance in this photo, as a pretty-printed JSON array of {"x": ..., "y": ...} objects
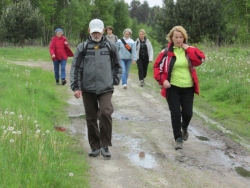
[
  {"x": 180, "y": 102},
  {"x": 98, "y": 107},
  {"x": 142, "y": 65}
]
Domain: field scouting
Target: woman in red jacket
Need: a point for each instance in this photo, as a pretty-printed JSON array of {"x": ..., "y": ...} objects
[
  {"x": 174, "y": 69},
  {"x": 59, "y": 51}
]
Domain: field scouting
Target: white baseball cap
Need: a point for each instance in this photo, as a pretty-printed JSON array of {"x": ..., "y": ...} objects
[{"x": 96, "y": 25}]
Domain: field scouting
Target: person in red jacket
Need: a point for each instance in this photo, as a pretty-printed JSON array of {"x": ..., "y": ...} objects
[
  {"x": 174, "y": 70},
  {"x": 59, "y": 51}
]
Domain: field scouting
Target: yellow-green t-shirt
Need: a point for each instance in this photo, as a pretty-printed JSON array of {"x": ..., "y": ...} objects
[{"x": 180, "y": 75}]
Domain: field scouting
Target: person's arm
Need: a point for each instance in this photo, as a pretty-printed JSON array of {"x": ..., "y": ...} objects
[
  {"x": 151, "y": 52},
  {"x": 52, "y": 48},
  {"x": 117, "y": 69},
  {"x": 159, "y": 65},
  {"x": 134, "y": 54},
  {"x": 76, "y": 70},
  {"x": 195, "y": 55}
]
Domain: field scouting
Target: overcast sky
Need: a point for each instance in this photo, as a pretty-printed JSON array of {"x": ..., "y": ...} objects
[{"x": 150, "y": 2}]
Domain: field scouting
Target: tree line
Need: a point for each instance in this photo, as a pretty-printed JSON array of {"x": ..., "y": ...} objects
[{"x": 219, "y": 22}]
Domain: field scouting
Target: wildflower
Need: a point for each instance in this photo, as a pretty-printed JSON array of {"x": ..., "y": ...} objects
[
  {"x": 4, "y": 132},
  {"x": 37, "y": 125},
  {"x": 18, "y": 132},
  {"x": 47, "y": 131},
  {"x": 13, "y": 132},
  {"x": 12, "y": 113},
  {"x": 10, "y": 128},
  {"x": 38, "y": 131},
  {"x": 71, "y": 174},
  {"x": 35, "y": 121},
  {"x": 20, "y": 116},
  {"x": 6, "y": 112},
  {"x": 12, "y": 141}
]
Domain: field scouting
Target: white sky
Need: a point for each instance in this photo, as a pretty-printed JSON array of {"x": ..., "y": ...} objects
[{"x": 150, "y": 2}]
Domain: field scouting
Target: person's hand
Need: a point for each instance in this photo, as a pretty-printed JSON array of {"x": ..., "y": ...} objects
[
  {"x": 78, "y": 94},
  {"x": 184, "y": 46},
  {"x": 53, "y": 55},
  {"x": 166, "y": 84},
  {"x": 134, "y": 62}
]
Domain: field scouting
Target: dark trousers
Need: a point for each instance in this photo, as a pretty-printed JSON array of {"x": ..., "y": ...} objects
[
  {"x": 98, "y": 107},
  {"x": 180, "y": 102},
  {"x": 142, "y": 65}
]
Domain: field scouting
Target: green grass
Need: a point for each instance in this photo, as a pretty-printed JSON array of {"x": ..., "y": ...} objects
[
  {"x": 27, "y": 53},
  {"x": 32, "y": 153}
]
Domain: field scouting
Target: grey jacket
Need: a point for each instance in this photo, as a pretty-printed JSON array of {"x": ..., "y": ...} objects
[
  {"x": 149, "y": 48},
  {"x": 97, "y": 68}
]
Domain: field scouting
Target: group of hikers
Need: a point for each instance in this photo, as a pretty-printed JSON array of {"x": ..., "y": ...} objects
[{"x": 100, "y": 62}]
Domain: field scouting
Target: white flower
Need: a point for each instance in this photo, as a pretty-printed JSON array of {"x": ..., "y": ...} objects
[
  {"x": 10, "y": 128},
  {"x": 35, "y": 121},
  {"x": 47, "y": 131},
  {"x": 18, "y": 132},
  {"x": 20, "y": 116},
  {"x": 71, "y": 174},
  {"x": 6, "y": 112},
  {"x": 38, "y": 131},
  {"x": 4, "y": 132},
  {"x": 12, "y": 113},
  {"x": 37, "y": 125},
  {"x": 12, "y": 141},
  {"x": 13, "y": 132}
]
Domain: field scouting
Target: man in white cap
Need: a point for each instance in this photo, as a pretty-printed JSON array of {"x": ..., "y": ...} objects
[{"x": 95, "y": 69}]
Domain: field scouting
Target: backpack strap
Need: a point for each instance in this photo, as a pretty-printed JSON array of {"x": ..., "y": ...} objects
[{"x": 126, "y": 45}]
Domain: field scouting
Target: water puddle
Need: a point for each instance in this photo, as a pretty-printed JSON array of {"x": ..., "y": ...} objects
[
  {"x": 202, "y": 138},
  {"x": 242, "y": 171},
  {"x": 143, "y": 160}
]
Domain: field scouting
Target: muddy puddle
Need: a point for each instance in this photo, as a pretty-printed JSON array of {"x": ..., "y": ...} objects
[{"x": 224, "y": 158}]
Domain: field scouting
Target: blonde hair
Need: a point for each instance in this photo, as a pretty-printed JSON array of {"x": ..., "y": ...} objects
[
  {"x": 127, "y": 30},
  {"x": 143, "y": 31},
  {"x": 179, "y": 29}
]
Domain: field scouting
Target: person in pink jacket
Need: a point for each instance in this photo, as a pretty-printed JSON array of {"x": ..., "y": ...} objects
[
  {"x": 59, "y": 51},
  {"x": 174, "y": 70}
]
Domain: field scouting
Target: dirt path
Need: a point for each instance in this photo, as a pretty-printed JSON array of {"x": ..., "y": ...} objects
[{"x": 141, "y": 123}]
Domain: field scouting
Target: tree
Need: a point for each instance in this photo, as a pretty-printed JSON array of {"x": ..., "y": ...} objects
[
  {"x": 200, "y": 20},
  {"x": 122, "y": 19},
  {"x": 20, "y": 21},
  {"x": 139, "y": 11}
]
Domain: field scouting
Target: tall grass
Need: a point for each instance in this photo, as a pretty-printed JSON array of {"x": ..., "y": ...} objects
[{"x": 32, "y": 153}]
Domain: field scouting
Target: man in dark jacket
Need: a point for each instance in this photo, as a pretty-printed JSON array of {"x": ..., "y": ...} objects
[{"x": 95, "y": 69}]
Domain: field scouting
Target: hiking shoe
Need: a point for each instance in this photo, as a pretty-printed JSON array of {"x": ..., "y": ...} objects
[
  {"x": 94, "y": 153},
  {"x": 185, "y": 134},
  {"x": 105, "y": 152},
  {"x": 64, "y": 82},
  {"x": 142, "y": 83},
  {"x": 124, "y": 86},
  {"x": 178, "y": 143}
]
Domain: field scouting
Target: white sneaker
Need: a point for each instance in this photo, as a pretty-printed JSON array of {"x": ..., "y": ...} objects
[
  {"x": 124, "y": 86},
  {"x": 142, "y": 83}
]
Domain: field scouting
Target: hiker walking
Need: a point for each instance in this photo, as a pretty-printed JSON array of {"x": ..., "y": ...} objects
[
  {"x": 174, "y": 70},
  {"x": 127, "y": 53},
  {"x": 59, "y": 51},
  {"x": 110, "y": 35},
  {"x": 94, "y": 71},
  {"x": 144, "y": 51}
]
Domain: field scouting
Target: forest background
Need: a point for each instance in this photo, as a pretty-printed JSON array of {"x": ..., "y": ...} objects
[{"x": 26, "y": 22}]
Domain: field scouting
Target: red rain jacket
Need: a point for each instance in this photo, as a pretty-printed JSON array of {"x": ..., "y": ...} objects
[
  {"x": 60, "y": 47},
  {"x": 165, "y": 61}
]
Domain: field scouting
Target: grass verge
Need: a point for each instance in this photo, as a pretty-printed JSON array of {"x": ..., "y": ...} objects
[{"x": 32, "y": 153}]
